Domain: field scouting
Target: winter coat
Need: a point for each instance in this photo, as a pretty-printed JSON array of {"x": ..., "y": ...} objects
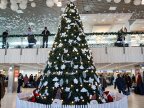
[
  {"x": 120, "y": 83},
  {"x": 2, "y": 86}
]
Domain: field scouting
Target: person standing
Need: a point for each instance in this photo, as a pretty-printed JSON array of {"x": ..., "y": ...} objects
[
  {"x": 128, "y": 82},
  {"x": 20, "y": 82},
  {"x": 31, "y": 39},
  {"x": 4, "y": 39},
  {"x": 103, "y": 82},
  {"x": 120, "y": 84},
  {"x": 26, "y": 81},
  {"x": 45, "y": 34},
  {"x": 2, "y": 87}
]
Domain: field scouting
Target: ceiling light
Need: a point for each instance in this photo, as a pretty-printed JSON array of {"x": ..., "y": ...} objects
[{"x": 112, "y": 8}]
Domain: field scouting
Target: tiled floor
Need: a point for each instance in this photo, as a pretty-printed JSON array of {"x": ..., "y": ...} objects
[{"x": 134, "y": 101}]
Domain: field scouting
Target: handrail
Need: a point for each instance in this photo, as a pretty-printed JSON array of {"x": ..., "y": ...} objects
[{"x": 87, "y": 34}]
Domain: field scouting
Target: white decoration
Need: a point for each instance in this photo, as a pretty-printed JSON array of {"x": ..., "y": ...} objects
[
  {"x": 33, "y": 4},
  {"x": 14, "y": 7},
  {"x": 60, "y": 45},
  {"x": 55, "y": 79},
  {"x": 61, "y": 82},
  {"x": 78, "y": 38},
  {"x": 50, "y": 3},
  {"x": 70, "y": 41},
  {"x": 67, "y": 89},
  {"x": 84, "y": 74},
  {"x": 75, "y": 81},
  {"x": 65, "y": 51},
  {"x": 88, "y": 57},
  {"x": 59, "y": 4},
  {"x": 56, "y": 102},
  {"x": 72, "y": 10},
  {"x": 91, "y": 80},
  {"x": 103, "y": 100},
  {"x": 93, "y": 87},
  {"x": 80, "y": 80},
  {"x": 75, "y": 66},
  {"x": 81, "y": 67},
  {"x": 68, "y": 20},
  {"x": 75, "y": 57},
  {"x": 45, "y": 83},
  {"x": 108, "y": 0},
  {"x": 63, "y": 67},
  {"x": 93, "y": 102},
  {"x": 137, "y": 2},
  {"x": 63, "y": 34},
  {"x": 127, "y": 1},
  {"x": 117, "y": 1},
  {"x": 88, "y": 94},
  {"x": 23, "y": 6},
  {"x": 76, "y": 99},
  {"x": 55, "y": 1},
  {"x": 66, "y": 81},
  {"x": 75, "y": 49},
  {"x": 83, "y": 90},
  {"x": 56, "y": 84}
]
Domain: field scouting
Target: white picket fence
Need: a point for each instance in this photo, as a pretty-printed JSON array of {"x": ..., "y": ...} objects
[{"x": 122, "y": 103}]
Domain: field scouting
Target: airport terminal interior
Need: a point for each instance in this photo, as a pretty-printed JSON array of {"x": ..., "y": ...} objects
[{"x": 71, "y": 53}]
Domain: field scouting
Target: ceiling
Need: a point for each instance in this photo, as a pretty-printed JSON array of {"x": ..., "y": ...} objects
[{"x": 41, "y": 15}]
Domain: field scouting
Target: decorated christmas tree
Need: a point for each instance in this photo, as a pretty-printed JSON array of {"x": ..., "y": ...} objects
[{"x": 70, "y": 74}]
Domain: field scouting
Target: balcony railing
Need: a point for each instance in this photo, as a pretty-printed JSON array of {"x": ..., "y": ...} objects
[{"x": 93, "y": 39}]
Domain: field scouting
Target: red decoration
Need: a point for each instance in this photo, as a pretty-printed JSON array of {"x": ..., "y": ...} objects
[{"x": 108, "y": 96}]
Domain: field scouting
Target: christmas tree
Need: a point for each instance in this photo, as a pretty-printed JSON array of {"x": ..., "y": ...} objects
[{"x": 70, "y": 74}]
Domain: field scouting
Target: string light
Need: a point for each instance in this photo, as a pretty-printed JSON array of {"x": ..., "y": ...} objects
[
  {"x": 71, "y": 85},
  {"x": 81, "y": 85},
  {"x": 83, "y": 100},
  {"x": 72, "y": 102},
  {"x": 52, "y": 99}
]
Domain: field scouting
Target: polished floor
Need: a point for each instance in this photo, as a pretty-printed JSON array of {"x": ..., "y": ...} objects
[{"x": 134, "y": 101}]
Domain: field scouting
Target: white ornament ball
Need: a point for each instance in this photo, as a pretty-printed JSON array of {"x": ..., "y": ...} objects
[
  {"x": 55, "y": 1},
  {"x": 117, "y": 1},
  {"x": 23, "y": 6},
  {"x": 127, "y": 1},
  {"x": 14, "y": 7},
  {"x": 33, "y": 4},
  {"x": 109, "y": 1},
  {"x": 49, "y": 3}
]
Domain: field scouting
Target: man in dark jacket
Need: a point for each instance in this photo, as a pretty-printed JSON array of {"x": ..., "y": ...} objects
[
  {"x": 20, "y": 82},
  {"x": 2, "y": 87},
  {"x": 120, "y": 84},
  {"x": 45, "y": 34},
  {"x": 4, "y": 39}
]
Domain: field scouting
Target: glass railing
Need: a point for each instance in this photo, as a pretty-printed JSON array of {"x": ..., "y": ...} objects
[{"x": 93, "y": 39}]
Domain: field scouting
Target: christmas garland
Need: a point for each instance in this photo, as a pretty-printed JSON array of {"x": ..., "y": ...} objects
[{"x": 87, "y": 34}]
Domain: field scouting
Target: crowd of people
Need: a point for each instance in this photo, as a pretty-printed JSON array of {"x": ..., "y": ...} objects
[
  {"x": 124, "y": 83},
  {"x": 30, "y": 37},
  {"x": 28, "y": 82}
]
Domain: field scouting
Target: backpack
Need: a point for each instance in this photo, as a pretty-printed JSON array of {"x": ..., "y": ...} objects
[{"x": 2, "y": 87}]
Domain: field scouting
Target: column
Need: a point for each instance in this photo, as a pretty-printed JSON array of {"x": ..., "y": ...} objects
[{"x": 13, "y": 73}]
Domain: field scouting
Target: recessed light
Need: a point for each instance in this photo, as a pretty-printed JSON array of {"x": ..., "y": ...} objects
[{"x": 112, "y": 8}]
